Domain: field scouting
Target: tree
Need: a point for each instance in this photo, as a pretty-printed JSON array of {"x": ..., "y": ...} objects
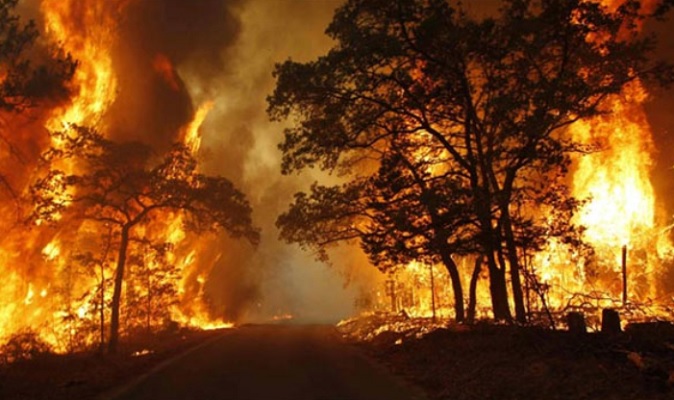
[
  {"x": 400, "y": 214},
  {"x": 119, "y": 184},
  {"x": 24, "y": 84},
  {"x": 496, "y": 94}
]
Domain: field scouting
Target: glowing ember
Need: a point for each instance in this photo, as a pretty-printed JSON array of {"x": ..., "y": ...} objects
[
  {"x": 209, "y": 325},
  {"x": 282, "y": 317},
  {"x": 140, "y": 353}
]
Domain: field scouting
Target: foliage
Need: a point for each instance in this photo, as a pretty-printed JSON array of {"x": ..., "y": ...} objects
[
  {"x": 152, "y": 286},
  {"x": 24, "y": 83}
]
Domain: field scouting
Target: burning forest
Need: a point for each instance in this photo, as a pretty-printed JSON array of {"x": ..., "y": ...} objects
[
  {"x": 132, "y": 184},
  {"x": 505, "y": 161},
  {"x": 91, "y": 206},
  {"x": 517, "y": 160}
]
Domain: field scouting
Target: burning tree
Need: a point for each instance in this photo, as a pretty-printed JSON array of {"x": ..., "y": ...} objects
[
  {"x": 120, "y": 185},
  {"x": 24, "y": 82},
  {"x": 495, "y": 95}
]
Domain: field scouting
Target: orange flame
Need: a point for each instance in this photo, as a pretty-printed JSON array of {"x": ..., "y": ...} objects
[
  {"x": 46, "y": 294},
  {"x": 191, "y": 134},
  {"x": 621, "y": 208},
  {"x": 89, "y": 40}
]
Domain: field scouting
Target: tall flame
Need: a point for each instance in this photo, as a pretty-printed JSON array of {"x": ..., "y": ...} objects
[
  {"x": 89, "y": 41},
  {"x": 192, "y": 134},
  {"x": 621, "y": 208},
  {"x": 46, "y": 294},
  {"x": 617, "y": 179}
]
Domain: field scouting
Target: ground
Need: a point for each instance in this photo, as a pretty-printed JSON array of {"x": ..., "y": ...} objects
[
  {"x": 410, "y": 357},
  {"x": 504, "y": 362},
  {"x": 86, "y": 375},
  {"x": 280, "y": 362}
]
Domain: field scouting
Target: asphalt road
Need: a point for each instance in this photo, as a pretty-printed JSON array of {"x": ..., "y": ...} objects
[{"x": 271, "y": 362}]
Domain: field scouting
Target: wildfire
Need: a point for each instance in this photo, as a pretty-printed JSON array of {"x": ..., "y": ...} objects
[
  {"x": 51, "y": 250},
  {"x": 621, "y": 208},
  {"x": 64, "y": 304},
  {"x": 48, "y": 294},
  {"x": 620, "y": 212},
  {"x": 86, "y": 30}
]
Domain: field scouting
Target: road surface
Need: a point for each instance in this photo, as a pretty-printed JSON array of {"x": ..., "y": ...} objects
[{"x": 271, "y": 362}]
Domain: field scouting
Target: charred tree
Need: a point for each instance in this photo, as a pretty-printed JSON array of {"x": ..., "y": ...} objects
[
  {"x": 399, "y": 214},
  {"x": 472, "y": 290},
  {"x": 117, "y": 290},
  {"x": 576, "y": 323},
  {"x": 610, "y": 321}
]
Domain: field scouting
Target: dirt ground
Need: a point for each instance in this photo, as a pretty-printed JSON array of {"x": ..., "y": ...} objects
[
  {"x": 504, "y": 362},
  {"x": 87, "y": 375}
]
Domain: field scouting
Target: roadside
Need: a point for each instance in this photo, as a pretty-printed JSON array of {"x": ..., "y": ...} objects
[
  {"x": 87, "y": 375},
  {"x": 507, "y": 363}
]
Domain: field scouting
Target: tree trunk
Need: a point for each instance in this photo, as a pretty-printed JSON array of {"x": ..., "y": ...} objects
[
  {"x": 148, "y": 316},
  {"x": 441, "y": 239},
  {"x": 102, "y": 306},
  {"x": 102, "y": 309},
  {"x": 472, "y": 291},
  {"x": 497, "y": 282},
  {"x": 498, "y": 290},
  {"x": 455, "y": 277},
  {"x": 117, "y": 292},
  {"x": 513, "y": 261}
]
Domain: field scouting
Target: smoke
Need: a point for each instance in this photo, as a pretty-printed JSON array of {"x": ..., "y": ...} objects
[
  {"x": 658, "y": 109},
  {"x": 171, "y": 57},
  {"x": 242, "y": 144}
]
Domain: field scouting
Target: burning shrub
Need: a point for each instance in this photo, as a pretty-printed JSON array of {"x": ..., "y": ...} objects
[{"x": 23, "y": 345}]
